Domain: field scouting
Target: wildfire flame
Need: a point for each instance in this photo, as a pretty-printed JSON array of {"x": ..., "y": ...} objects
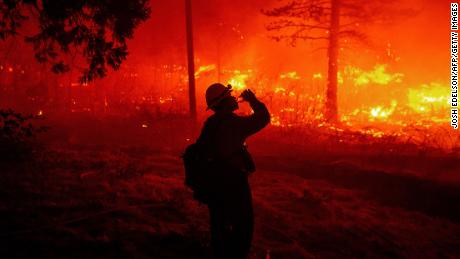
[
  {"x": 317, "y": 76},
  {"x": 378, "y": 75},
  {"x": 290, "y": 75},
  {"x": 204, "y": 69},
  {"x": 429, "y": 97},
  {"x": 238, "y": 81},
  {"x": 380, "y": 112}
]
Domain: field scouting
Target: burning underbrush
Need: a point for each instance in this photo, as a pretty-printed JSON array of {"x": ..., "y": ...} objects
[{"x": 375, "y": 104}]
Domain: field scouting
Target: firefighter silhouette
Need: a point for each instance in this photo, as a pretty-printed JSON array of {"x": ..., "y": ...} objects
[{"x": 230, "y": 202}]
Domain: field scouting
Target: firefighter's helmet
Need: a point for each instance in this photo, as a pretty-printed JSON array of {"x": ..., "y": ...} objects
[{"x": 216, "y": 93}]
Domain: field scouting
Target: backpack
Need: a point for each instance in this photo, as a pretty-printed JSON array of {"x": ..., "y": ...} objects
[
  {"x": 200, "y": 166},
  {"x": 198, "y": 172}
]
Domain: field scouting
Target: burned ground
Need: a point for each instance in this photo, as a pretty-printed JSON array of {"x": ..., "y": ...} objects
[{"x": 99, "y": 196}]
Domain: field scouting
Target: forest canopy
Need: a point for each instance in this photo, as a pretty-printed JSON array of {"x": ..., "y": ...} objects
[{"x": 94, "y": 30}]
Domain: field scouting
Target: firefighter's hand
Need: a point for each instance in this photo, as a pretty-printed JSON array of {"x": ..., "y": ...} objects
[{"x": 248, "y": 95}]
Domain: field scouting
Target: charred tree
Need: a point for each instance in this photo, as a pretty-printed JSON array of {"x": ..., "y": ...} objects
[
  {"x": 329, "y": 21},
  {"x": 190, "y": 59},
  {"x": 331, "y": 109}
]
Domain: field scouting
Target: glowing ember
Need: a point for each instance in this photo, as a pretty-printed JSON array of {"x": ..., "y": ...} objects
[
  {"x": 204, "y": 69},
  {"x": 339, "y": 78},
  {"x": 164, "y": 100},
  {"x": 275, "y": 121},
  {"x": 287, "y": 110},
  {"x": 279, "y": 89},
  {"x": 290, "y": 75},
  {"x": 380, "y": 112},
  {"x": 317, "y": 76},
  {"x": 40, "y": 113}
]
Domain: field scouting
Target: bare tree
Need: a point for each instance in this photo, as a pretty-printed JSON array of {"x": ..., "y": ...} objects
[{"x": 329, "y": 21}]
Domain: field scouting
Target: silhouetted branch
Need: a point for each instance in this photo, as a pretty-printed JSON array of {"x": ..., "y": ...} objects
[{"x": 99, "y": 28}]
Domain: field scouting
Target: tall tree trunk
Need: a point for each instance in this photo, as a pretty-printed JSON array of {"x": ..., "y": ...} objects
[
  {"x": 191, "y": 64},
  {"x": 333, "y": 54}
]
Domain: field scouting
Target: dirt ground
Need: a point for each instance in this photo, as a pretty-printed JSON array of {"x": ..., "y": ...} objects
[{"x": 99, "y": 200}]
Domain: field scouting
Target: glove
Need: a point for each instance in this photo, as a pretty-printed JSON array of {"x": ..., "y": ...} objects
[{"x": 248, "y": 96}]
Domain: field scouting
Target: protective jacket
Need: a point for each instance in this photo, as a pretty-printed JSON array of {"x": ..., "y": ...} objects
[{"x": 226, "y": 134}]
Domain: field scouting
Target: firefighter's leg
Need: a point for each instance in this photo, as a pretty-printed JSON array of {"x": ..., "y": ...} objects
[
  {"x": 220, "y": 235},
  {"x": 243, "y": 225}
]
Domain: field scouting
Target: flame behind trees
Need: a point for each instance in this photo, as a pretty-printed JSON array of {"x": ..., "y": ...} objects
[{"x": 329, "y": 21}]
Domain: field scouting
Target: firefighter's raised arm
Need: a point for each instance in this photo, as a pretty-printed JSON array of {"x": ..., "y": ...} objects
[{"x": 259, "y": 119}]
